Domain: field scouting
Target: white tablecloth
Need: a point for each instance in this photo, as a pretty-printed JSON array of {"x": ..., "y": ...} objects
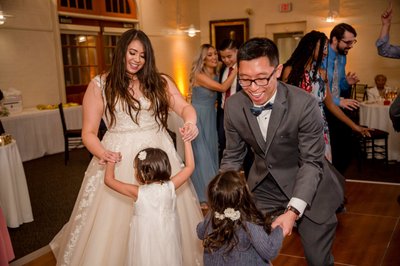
[
  {"x": 14, "y": 195},
  {"x": 377, "y": 116},
  {"x": 39, "y": 132}
]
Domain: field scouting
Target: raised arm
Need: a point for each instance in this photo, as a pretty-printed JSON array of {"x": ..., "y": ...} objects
[
  {"x": 187, "y": 171},
  {"x": 386, "y": 49},
  {"x": 386, "y": 19},
  {"x": 121, "y": 187},
  {"x": 93, "y": 109},
  {"x": 209, "y": 83},
  {"x": 184, "y": 110}
]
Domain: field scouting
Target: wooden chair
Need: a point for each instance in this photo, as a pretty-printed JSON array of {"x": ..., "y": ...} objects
[
  {"x": 370, "y": 147},
  {"x": 72, "y": 137},
  {"x": 1, "y": 128},
  {"x": 359, "y": 92}
]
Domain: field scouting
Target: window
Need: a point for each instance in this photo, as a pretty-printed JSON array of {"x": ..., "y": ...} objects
[
  {"x": 114, "y": 8},
  {"x": 109, "y": 42},
  {"x": 80, "y": 4},
  {"x": 79, "y": 58},
  {"x": 83, "y": 59},
  {"x": 88, "y": 43}
]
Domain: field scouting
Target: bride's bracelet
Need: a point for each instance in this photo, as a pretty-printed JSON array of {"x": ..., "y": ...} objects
[{"x": 189, "y": 123}]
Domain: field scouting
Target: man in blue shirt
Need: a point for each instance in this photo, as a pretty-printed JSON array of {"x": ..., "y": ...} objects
[{"x": 342, "y": 39}]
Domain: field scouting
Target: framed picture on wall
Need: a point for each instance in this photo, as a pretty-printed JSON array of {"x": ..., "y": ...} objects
[{"x": 237, "y": 29}]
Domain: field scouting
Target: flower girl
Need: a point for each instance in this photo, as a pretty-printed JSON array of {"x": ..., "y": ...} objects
[
  {"x": 154, "y": 234},
  {"x": 234, "y": 232}
]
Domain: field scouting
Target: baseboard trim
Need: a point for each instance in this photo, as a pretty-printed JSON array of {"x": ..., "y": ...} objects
[
  {"x": 372, "y": 182},
  {"x": 31, "y": 256}
]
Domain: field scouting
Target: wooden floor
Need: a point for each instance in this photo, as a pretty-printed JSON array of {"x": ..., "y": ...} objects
[{"x": 368, "y": 232}]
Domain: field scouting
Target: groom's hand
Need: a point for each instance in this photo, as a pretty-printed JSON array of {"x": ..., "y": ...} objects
[{"x": 286, "y": 221}]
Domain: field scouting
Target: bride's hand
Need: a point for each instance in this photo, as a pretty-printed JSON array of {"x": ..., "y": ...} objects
[
  {"x": 110, "y": 156},
  {"x": 189, "y": 131}
]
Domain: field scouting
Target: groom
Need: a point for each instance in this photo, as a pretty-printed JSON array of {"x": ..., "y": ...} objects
[{"x": 283, "y": 126}]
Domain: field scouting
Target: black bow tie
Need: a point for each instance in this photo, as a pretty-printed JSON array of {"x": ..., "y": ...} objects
[{"x": 258, "y": 110}]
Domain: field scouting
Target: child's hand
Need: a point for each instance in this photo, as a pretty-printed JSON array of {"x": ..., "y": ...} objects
[
  {"x": 110, "y": 156},
  {"x": 286, "y": 221},
  {"x": 189, "y": 131}
]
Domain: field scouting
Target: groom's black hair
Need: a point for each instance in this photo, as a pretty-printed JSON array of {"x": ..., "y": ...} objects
[{"x": 258, "y": 47}]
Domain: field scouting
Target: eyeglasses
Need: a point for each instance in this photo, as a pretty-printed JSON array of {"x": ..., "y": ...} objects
[
  {"x": 258, "y": 82},
  {"x": 348, "y": 43}
]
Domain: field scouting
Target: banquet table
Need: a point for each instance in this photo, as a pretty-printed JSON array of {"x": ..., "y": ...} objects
[
  {"x": 14, "y": 195},
  {"x": 39, "y": 132},
  {"x": 376, "y": 115}
]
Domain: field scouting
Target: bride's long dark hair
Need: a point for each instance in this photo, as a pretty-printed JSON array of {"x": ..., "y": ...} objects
[{"x": 152, "y": 84}]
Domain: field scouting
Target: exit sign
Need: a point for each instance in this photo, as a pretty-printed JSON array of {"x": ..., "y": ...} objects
[{"x": 285, "y": 7}]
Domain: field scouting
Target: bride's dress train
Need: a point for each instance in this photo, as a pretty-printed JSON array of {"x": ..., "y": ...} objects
[{"x": 98, "y": 229}]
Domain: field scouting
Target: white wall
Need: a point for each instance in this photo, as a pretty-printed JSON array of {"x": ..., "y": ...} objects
[
  {"x": 361, "y": 14},
  {"x": 174, "y": 50},
  {"x": 29, "y": 58}
]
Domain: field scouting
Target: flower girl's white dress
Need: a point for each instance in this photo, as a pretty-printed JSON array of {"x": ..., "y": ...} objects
[
  {"x": 155, "y": 226},
  {"x": 98, "y": 229}
]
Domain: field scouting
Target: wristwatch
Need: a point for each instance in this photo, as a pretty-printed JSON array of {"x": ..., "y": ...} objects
[{"x": 293, "y": 209}]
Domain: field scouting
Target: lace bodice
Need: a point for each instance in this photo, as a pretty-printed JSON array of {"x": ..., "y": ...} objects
[{"x": 123, "y": 122}]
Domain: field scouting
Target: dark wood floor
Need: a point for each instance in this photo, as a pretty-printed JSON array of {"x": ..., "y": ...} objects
[{"x": 368, "y": 232}]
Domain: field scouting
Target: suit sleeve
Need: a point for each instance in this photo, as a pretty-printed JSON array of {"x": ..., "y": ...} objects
[
  {"x": 235, "y": 149},
  {"x": 311, "y": 152}
]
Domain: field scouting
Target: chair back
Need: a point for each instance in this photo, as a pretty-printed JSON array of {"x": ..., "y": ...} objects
[
  {"x": 64, "y": 125},
  {"x": 1, "y": 128},
  {"x": 359, "y": 92}
]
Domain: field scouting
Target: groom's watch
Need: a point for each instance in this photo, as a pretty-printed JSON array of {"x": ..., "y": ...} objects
[{"x": 293, "y": 209}]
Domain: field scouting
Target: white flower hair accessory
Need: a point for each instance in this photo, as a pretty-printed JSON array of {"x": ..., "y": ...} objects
[
  {"x": 142, "y": 155},
  {"x": 228, "y": 213}
]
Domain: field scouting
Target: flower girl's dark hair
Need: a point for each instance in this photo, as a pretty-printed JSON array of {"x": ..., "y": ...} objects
[
  {"x": 152, "y": 165},
  {"x": 229, "y": 190}
]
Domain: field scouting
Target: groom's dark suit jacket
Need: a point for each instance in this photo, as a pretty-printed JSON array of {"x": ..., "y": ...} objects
[{"x": 293, "y": 152}]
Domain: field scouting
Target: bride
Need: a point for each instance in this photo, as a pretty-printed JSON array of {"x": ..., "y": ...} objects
[{"x": 134, "y": 100}]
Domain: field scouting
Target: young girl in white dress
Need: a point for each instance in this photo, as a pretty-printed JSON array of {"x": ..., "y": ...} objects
[{"x": 154, "y": 237}]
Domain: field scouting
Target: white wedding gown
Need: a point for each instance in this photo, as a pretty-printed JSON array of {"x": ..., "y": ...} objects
[{"x": 98, "y": 230}]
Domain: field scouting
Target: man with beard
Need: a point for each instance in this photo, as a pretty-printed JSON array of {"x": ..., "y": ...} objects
[{"x": 342, "y": 39}]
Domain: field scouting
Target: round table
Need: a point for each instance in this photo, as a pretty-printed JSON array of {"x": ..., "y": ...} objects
[
  {"x": 14, "y": 195},
  {"x": 376, "y": 115}
]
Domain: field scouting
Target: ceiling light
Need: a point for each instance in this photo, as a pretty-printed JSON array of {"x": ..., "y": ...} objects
[
  {"x": 3, "y": 17},
  {"x": 330, "y": 19},
  {"x": 191, "y": 31},
  {"x": 331, "y": 16}
]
